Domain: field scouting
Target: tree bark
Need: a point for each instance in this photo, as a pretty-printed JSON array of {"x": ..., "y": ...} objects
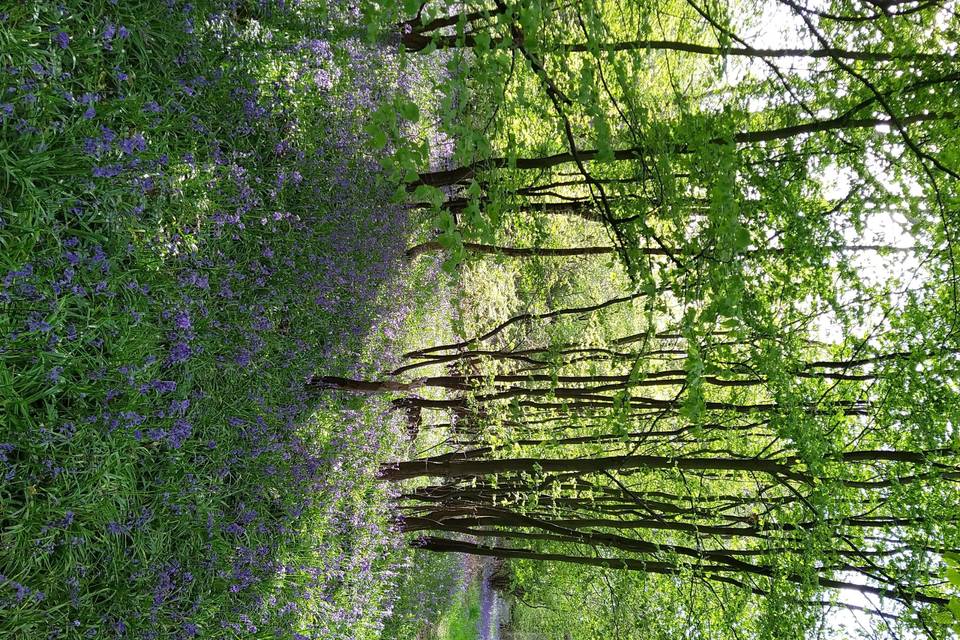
[
  {"x": 450, "y": 177},
  {"x": 417, "y": 42}
]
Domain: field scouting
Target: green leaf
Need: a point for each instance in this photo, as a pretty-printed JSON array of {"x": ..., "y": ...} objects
[
  {"x": 954, "y": 606},
  {"x": 378, "y": 139},
  {"x": 450, "y": 264},
  {"x": 741, "y": 238},
  {"x": 529, "y": 16},
  {"x": 483, "y": 41},
  {"x": 408, "y": 111},
  {"x": 428, "y": 193},
  {"x": 954, "y": 577},
  {"x": 444, "y": 222},
  {"x": 943, "y": 617}
]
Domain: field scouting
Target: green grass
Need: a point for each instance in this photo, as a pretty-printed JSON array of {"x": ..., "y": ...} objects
[
  {"x": 189, "y": 227},
  {"x": 461, "y": 621}
]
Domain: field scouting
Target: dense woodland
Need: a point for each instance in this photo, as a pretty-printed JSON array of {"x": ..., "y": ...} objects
[
  {"x": 324, "y": 319},
  {"x": 735, "y": 373}
]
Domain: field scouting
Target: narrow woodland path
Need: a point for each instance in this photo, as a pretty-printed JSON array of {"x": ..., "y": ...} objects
[{"x": 489, "y": 627}]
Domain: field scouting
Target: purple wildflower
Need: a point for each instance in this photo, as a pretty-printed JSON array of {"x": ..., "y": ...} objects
[
  {"x": 107, "y": 171},
  {"x": 35, "y": 323},
  {"x": 179, "y": 352},
  {"x": 182, "y": 320},
  {"x": 179, "y": 434},
  {"x": 116, "y": 528},
  {"x": 165, "y": 386},
  {"x": 133, "y": 144}
]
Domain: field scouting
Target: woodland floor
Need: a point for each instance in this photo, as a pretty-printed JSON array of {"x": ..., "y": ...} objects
[{"x": 188, "y": 236}]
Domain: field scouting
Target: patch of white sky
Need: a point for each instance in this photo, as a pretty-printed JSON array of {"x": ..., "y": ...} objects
[
  {"x": 890, "y": 226},
  {"x": 779, "y": 28}
]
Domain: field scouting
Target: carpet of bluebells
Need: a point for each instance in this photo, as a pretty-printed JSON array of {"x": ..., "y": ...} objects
[{"x": 189, "y": 229}]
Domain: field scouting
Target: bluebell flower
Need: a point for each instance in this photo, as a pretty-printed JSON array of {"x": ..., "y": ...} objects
[
  {"x": 179, "y": 352},
  {"x": 179, "y": 434},
  {"x": 107, "y": 171},
  {"x": 133, "y": 144},
  {"x": 36, "y": 323},
  {"x": 22, "y": 591},
  {"x": 182, "y": 320},
  {"x": 165, "y": 386}
]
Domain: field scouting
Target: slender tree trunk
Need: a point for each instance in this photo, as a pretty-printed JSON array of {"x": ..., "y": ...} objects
[
  {"x": 445, "y": 545},
  {"x": 417, "y": 42},
  {"x": 461, "y": 468},
  {"x": 450, "y": 177}
]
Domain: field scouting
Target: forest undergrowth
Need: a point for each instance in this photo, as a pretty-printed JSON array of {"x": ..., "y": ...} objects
[{"x": 191, "y": 227}]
